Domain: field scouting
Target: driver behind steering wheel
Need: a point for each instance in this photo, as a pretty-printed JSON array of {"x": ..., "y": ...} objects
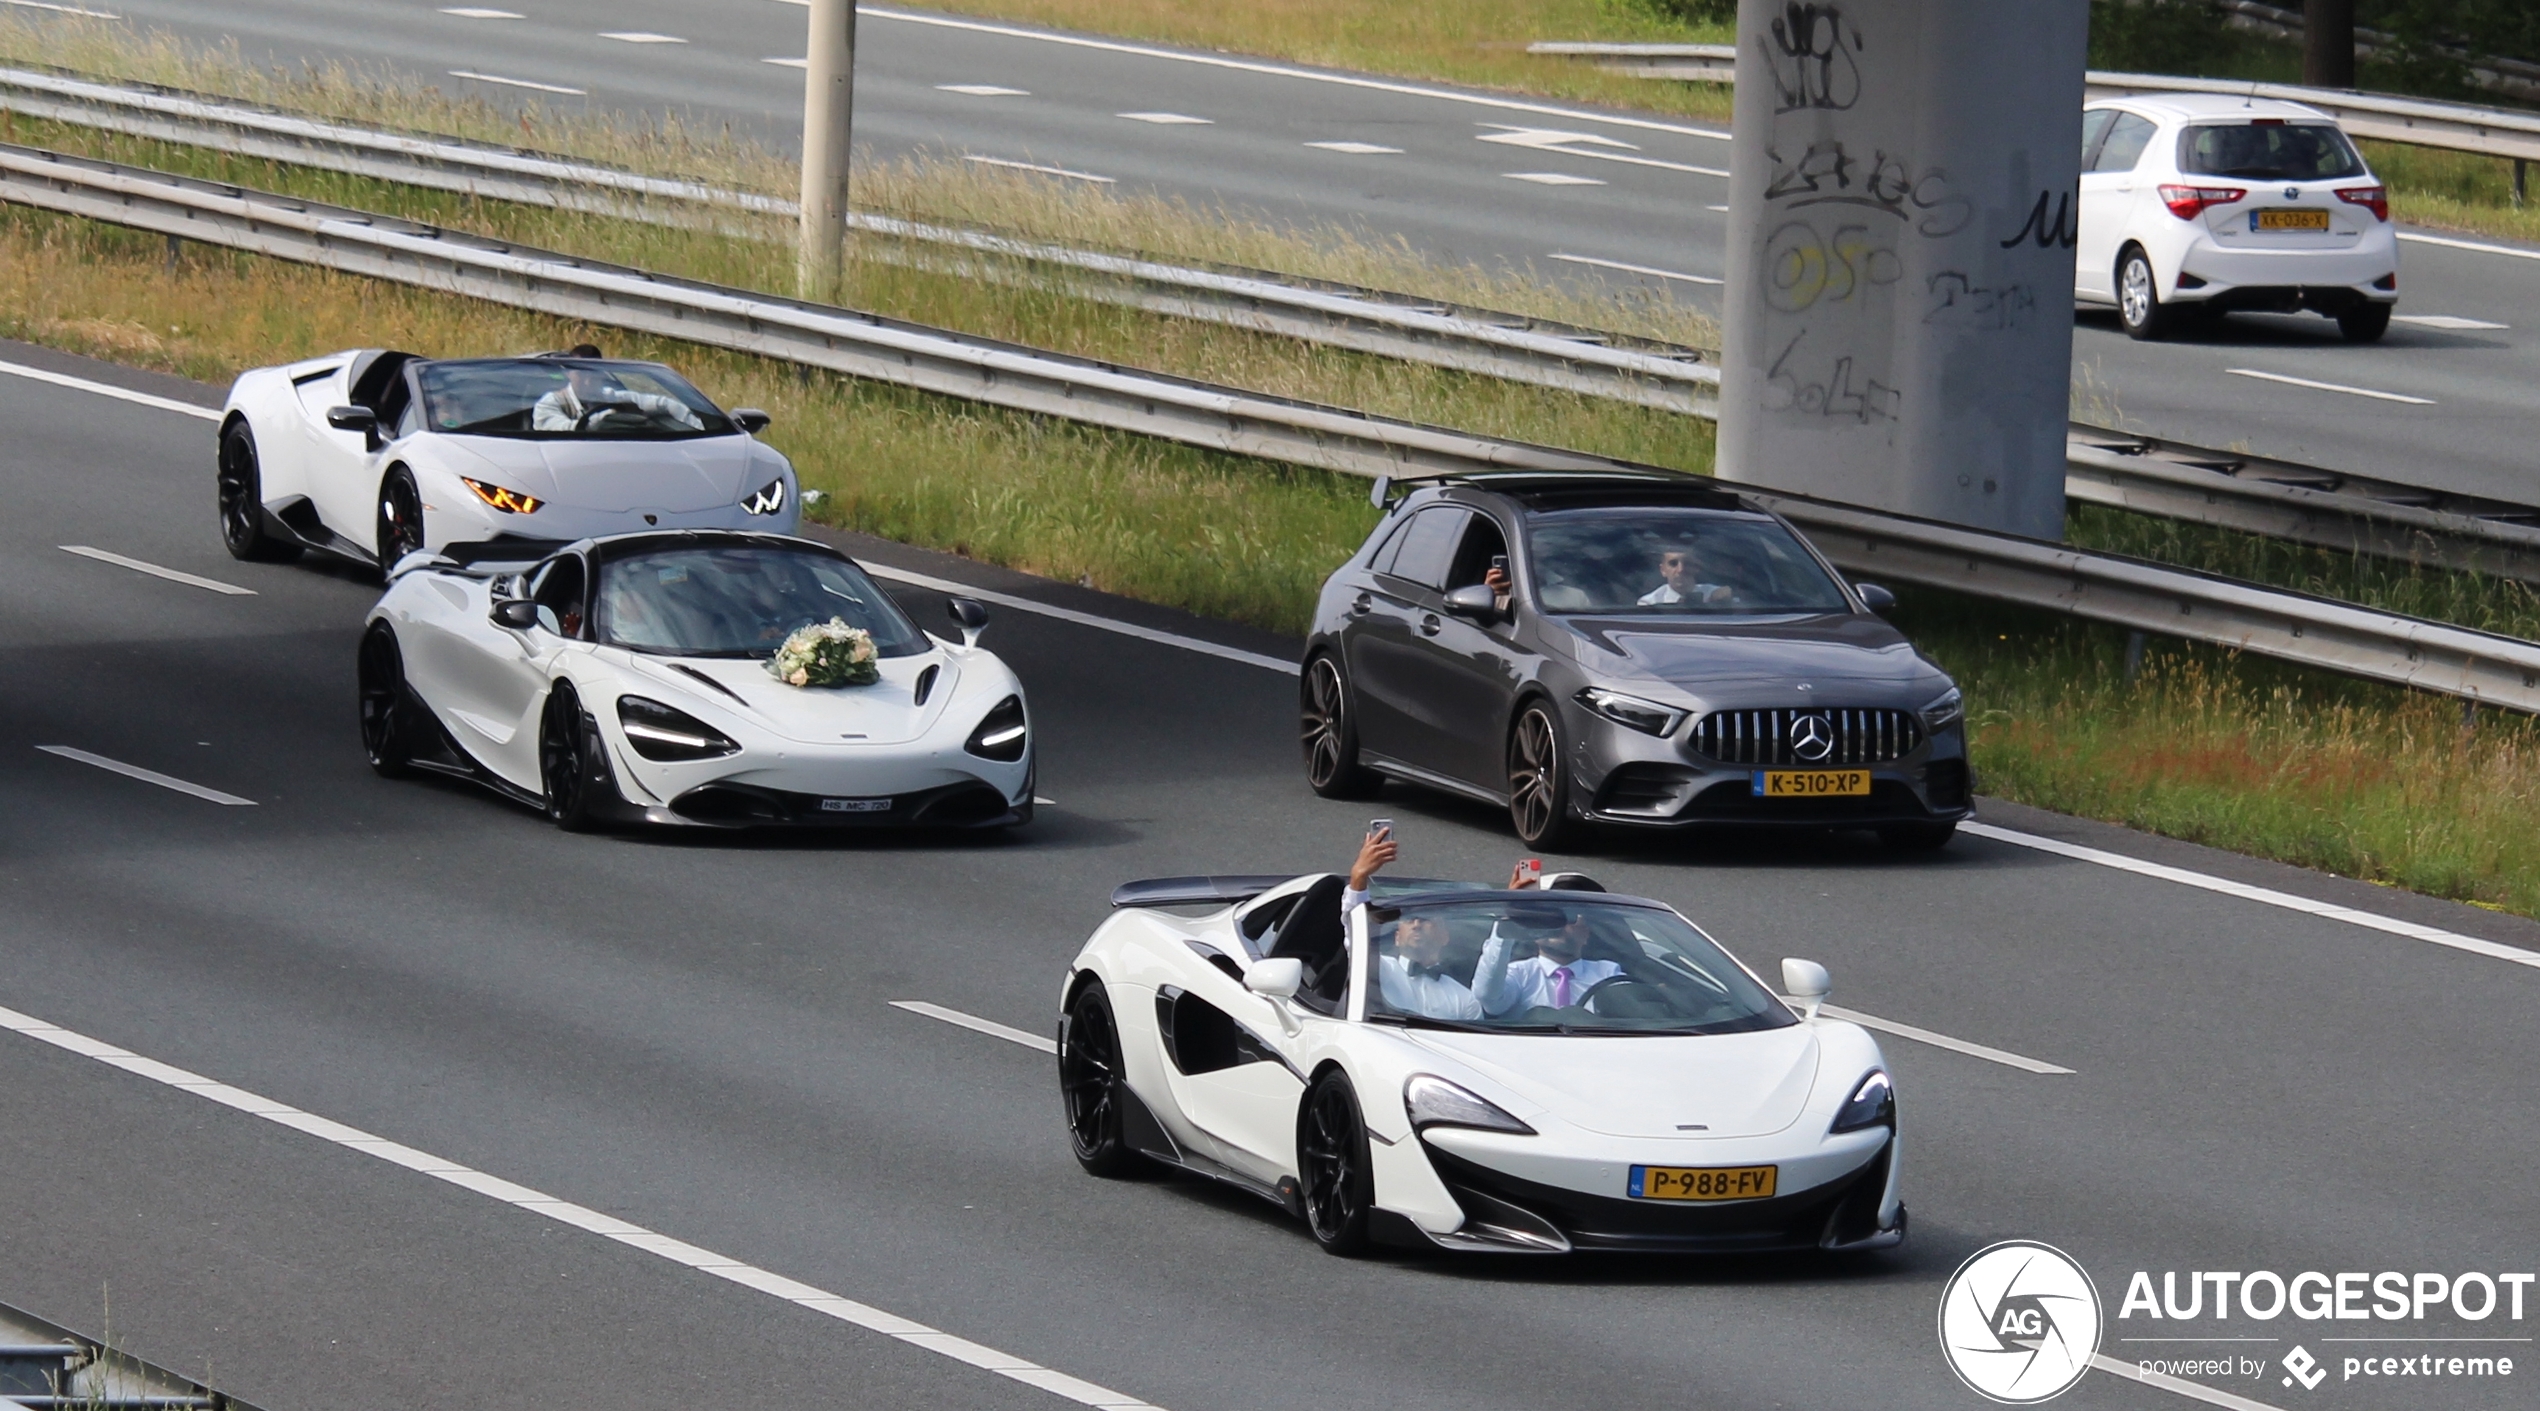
[
  {"x": 1557, "y": 976},
  {"x": 589, "y": 391}
]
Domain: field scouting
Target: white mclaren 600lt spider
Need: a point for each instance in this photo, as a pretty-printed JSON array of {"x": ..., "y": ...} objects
[
  {"x": 1532, "y": 1071},
  {"x": 625, "y": 680},
  {"x": 372, "y": 455}
]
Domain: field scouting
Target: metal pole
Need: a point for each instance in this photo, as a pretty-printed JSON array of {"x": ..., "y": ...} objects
[
  {"x": 828, "y": 110},
  {"x": 2328, "y": 43},
  {"x": 2522, "y": 173}
]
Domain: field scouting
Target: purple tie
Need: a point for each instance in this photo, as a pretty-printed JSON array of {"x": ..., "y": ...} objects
[{"x": 1561, "y": 988}]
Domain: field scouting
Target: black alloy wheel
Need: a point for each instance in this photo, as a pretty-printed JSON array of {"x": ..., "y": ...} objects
[
  {"x": 1329, "y": 734},
  {"x": 240, "y": 492},
  {"x": 2365, "y": 322},
  {"x": 386, "y": 715},
  {"x": 1539, "y": 781},
  {"x": 400, "y": 517},
  {"x": 1090, "y": 1085},
  {"x": 570, "y": 763},
  {"x": 2139, "y": 305},
  {"x": 1917, "y": 837},
  {"x": 1336, "y": 1185}
]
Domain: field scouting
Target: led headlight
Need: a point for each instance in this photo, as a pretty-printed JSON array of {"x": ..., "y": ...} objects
[
  {"x": 659, "y": 732},
  {"x": 1872, "y": 1104},
  {"x": 1432, "y": 1101},
  {"x": 769, "y": 499},
  {"x": 1001, "y": 735},
  {"x": 1648, "y": 717},
  {"x": 1943, "y": 713},
  {"x": 508, "y": 501}
]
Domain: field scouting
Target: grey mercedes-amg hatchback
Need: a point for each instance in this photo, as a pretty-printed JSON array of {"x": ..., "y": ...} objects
[{"x": 1647, "y": 651}]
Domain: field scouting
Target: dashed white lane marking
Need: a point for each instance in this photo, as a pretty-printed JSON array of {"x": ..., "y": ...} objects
[
  {"x": 704, "y": 1261},
  {"x": 1926, "y": 1036},
  {"x": 104, "y": 389},
  {"x": 2449, "y": 322},
  {"x": 470, "y": 12},
  {"x": 520, "y": 83},
  {"x": 1168, "y": 119},
  {"x": 1215, "y": 61},
  {"x": 1551, "y": 178},
  {"x": 1358, "y": 149},
  {"x": 1083, "y": 619},
  {"x": 1036, "y": 166},
  {"x": 2193, "y": 1391},
  {"x": 973, "y": 1022},
  {"x": 2265, "y": 896},
  {"x": 2317, "y": 386},
  {"x": 1583, "y": 144},
  {"x": 982, "y": 90},
  {"x": 640, "y": 36},
  {"x": 83, "y": 13},
  {"x": 147, "y": 776},
  {"x": 155, "y": 571},
  {"x": 2480, "y": 247},
  {"x": 1715, "y": 208},
  {"x": 788, "y": 63},
  {"x": 1045, "y": 803}
]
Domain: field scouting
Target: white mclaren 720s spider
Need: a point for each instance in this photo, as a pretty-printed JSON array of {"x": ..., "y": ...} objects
[
  {"x": 626, "y": 680},
  {"x": 372, "y": 455},
  {"x": 1529, "y": 1071}
]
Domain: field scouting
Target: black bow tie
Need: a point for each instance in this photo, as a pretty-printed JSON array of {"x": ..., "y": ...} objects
[{"x": 1433, "y": 972}]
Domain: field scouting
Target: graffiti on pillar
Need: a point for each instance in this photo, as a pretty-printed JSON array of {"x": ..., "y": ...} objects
[
  {"x": 1815, "y": 58},
  {"x": 1803, "y": 268},
  {"x": 1827, "y": 385},
  {"x": 1828, "y": 173},
  {"x": 2048, "y": 231},
  {"x": 1957, "y": 301}
]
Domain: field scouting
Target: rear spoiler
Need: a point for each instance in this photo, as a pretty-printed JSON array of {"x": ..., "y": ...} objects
[{"x": 1196, "y": 891}]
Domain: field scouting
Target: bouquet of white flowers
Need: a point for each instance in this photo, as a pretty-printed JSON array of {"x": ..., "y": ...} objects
[{"x": 827, "y": 654}]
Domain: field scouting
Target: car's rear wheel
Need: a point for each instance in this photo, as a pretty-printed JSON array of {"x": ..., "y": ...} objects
[
  {"x": 240, "y": 489},
  {"x": 2365, "y": 322},
  {"x": 1539, "y": 781},
  {"x": 386, "y": 715},
  {"x": 2139, "y": 305},
  {"x": 1091, "y": 1087},
  {"x": 1917, "y": 837},
  {"x": 1328, "y": 729},
  {"x": 572, "y": 764},
  {"x": 1337, "y": 1186},
  {"x": 400, "y": 517}
]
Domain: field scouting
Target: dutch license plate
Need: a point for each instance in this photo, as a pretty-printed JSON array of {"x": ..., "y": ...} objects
[
  {"x": 1810, "y": 783},
  {"x": 855, "y": 805},
  {"x": 1703, "y": 1182},
  {"x": 2288, "y": 220}
]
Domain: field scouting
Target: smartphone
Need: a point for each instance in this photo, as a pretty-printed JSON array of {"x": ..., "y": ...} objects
[
  {"x": 1499, "y": 563},
  {"x": 1376, "y": 826},
  {"x": 1533, "y": 868}
]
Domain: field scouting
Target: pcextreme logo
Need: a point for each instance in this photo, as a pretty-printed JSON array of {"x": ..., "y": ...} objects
[{"x": 2019, "y": 1322}]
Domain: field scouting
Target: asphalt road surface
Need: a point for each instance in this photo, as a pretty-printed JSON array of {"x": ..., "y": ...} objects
[
  {"x": 1567, "y": 190},
  {"x": 694, "y": 1034}
]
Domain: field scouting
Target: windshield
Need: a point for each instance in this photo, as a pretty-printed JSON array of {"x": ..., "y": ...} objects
[
  {"x": 566, "y": 397},
  {"x": 739, "y": 600},
  {"x": 2268, "y": 151},
  {"x": 1549, "y": 962},
  {"x": 1675, "y": 561}
]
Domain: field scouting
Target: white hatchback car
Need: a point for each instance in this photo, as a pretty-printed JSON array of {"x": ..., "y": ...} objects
[{"x": 2206, "y": 202}]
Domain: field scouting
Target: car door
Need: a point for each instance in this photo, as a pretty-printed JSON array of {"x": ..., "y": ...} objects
[
  {"x": 1468, "y": 671},
  {"x": 2108, "y": 202},
  {"x": 1225, "y": 1060},
  {"x": 1383, "y": 647},
  {"x": 345, "y": 466},
  {"x": 492, "y": 679}
]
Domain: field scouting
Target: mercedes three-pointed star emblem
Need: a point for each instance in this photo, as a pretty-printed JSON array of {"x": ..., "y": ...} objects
[{"x": 1812, "y": 737}]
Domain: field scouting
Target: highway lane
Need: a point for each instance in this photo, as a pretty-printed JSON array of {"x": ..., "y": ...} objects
[
  {"x": 694, "y": 1034},
  {"x": 1450, "y": 189}
]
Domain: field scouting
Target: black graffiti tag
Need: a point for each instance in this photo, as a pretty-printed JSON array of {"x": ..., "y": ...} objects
[
  {"x": 2049, "y": 232},
  {"x": 1812, "y": 57}
]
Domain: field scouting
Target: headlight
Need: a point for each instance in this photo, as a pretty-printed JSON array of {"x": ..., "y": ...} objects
[
  {"x": 1873, "y": 1104},
  {"x": 1432, "y": 1101},
  {"x": 1647, "y": 716},
  {"x": 769, "y": 499},
  {"x": 508, "y": 501},
  {"x": 1001, "y": 734},
  {"x": 1943, "y": 713},
  {"x": 659, "y": 732}
]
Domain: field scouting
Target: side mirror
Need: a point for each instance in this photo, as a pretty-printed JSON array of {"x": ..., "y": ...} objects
[
  {"x": 750, "y": 419},
  {"x": 1279, "y": 978},
  {"x": 1474, "y": 604},
  {"x": 1874, "y": 597},
  {"x": 1805, "y": 981},
  {"x": 361, "y": 419},
  {"x": 972, "y": 617},
  {"x": 518, "y": 614}
]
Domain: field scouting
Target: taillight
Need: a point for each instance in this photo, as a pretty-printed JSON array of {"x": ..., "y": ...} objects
[
  {"x": 2189, "y": 202},
  {"x": 2372, "y": 198}
]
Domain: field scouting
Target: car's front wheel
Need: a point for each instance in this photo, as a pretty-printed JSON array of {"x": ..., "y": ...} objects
[
  {"x": 385, "y": 713},
  {"x": 1539, "y": 781},
  {"x": 1092, "y": 1089},
  {"x": 573, "y": 764},
  {"x": 240, "y": 490},
  {"x": 2139, "y": 305},
  {"x": 1338, "y": 1187},
  {"x": 1328, "y": 729},
  {"x": 2365, "y": 322},
  {"x": 400, "y": 517}
]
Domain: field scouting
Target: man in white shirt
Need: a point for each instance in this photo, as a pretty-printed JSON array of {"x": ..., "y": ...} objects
[
  {"x": 1413, "y": 981},
  {"x": 1681, "y": 568},
  {"x": 588, "y": 389},
  {"x": 1556, "y": 977}
]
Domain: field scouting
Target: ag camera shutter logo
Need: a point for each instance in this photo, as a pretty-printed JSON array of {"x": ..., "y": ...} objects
[{"x": 2019, "y": 1322}]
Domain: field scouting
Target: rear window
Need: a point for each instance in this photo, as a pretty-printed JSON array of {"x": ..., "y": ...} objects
[{"x": 2269, "y": 151}]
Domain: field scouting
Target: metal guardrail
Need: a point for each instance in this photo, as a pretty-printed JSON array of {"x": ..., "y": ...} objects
[
  {"x": 2146, "y": 596},
  {"x": 45, "y": 1365}
]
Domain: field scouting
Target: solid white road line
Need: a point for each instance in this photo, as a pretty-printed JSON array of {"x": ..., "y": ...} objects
[
  {"x": 155, "y": 571},
  {"x": 2180, "y": 1386},
  {"x": 147, "y": 776},
  {"x": 973, "y": 1022},
  {"x": 83, "y": 13},
  {"x": 1551, "y": 178},
  {"x": 1653, "y": 273},
  {"x": 2448, "y": 322},
  {"x": 2330, "y": 386},
  {"x": 1082, "y": 619},
  {"x": 641, "y": 36},
  {"x": 470, "y": 12},
  {"x": 102, "y": 389},
  {"x": 1168, "y": 119},
  {"x": 2481, "y": 248},
  {"x": 2330, "y": 911},
  {"x": 982, "y": 90},
  {"x": 1926, "y": 1036},
  {"x": 1035, "y": 166},
  {"x": 1357, "y": 149},
  {"x": 520, "y": 83},
  {"x": 706, "y": 1261}
]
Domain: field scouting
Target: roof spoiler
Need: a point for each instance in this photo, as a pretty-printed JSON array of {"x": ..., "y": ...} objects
[{"x": 1195, "y": 891}]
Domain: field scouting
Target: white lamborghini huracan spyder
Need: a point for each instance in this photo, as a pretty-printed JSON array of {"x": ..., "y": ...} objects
[
  {"x": 625, "y": 679},
  {"x": 373, "y": 455},
  {"x": 1530, "y": 1071}
]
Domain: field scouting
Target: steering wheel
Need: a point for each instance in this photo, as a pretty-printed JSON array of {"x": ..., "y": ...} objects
[
  {"x": 593, "y": 411},
  {"x": 1588, "y": 1001}
]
